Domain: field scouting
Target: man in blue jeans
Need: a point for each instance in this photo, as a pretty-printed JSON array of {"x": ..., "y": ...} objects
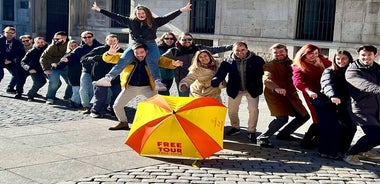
[{"x": 53, "y": 54}]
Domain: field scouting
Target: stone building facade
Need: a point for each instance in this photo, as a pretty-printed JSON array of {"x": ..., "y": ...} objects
[{"x": 260, "y": 23}]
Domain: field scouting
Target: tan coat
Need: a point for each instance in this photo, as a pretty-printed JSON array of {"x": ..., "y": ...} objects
[
  {"x": 279, "y": 74},
  {"x": 199, "y": 80}
]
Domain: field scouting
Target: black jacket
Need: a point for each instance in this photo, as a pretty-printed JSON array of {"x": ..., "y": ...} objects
[
  {"x": 31, "y": 59},
  {"x": 186, "y": 54},
  {"x": 99, "y": 68},
  {"x": 254, "y": 75},
  {"x": 139, "y": 30},
  {"x": 15, "y": 54},
  {"x": 364, "y": 89},
  {"x": 74, "y": 64}
]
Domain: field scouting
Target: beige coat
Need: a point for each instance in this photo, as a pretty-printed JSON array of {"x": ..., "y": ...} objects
[{"x": 199, "y": 80}]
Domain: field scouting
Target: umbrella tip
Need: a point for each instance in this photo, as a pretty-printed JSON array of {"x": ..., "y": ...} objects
[{"x": 173, "y": 112}]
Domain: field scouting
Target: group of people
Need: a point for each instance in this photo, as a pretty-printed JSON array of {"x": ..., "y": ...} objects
[{"x": 339, "y": 94}]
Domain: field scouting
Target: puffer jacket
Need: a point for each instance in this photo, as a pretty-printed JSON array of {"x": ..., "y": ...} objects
[{"x": 364, "y": 89}]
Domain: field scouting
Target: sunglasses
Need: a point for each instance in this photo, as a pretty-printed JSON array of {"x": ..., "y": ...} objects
[
  {"x": 25, "y": 41},
  {"x": 187, "y": 39},
  {"x": 85, "y": 37},
  {"x": 168, "y": 38}
]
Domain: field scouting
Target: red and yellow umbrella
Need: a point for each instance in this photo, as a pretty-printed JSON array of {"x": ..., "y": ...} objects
[{"x": 182, "y": 127}]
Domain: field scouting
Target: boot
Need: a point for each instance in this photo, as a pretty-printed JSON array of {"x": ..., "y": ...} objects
[
  {"x": 120, "y": 126},
  {"x": 311, "y": 137}
]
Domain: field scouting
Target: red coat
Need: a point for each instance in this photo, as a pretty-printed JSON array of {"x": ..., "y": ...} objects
[{"x": 309, "y": 79}]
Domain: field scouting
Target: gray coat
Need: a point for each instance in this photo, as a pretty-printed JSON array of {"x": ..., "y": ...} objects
[{"x": 364, "y": 89}]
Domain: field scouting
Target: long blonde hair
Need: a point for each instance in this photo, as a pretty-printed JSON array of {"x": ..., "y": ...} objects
[{"x": 195, "y": 63}]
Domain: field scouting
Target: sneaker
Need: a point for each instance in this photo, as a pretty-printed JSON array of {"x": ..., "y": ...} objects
[
  {"x": 265, "y": 143},
  {"x": 159, "y": 85},
  {"x": 287, "y": 138},
  {"x": 120, "y": 126},
  {"x": 95, "y": 115},
  {"x": 86, "y": 111},
  {"x": 252, "y": 137},
  {"x": 30, "y": 100},
  {"x": 352, "y": 159},
  {"x": 49, "y": 101},
  {"x": 11, "y": 91},
  {"x": 105, "y": 82},
  {"x": 369, "y": 155},
  {"x": 233, "y": 131}
]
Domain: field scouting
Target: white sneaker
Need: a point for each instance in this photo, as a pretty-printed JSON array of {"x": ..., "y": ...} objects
[
  {"x": 105, "y": 82},
  {"x": 159, "y": 85},
  {"x": 369, "y": 155},
  {"x": 49, "y": 101},
  {"x": 352, "y": 159}
]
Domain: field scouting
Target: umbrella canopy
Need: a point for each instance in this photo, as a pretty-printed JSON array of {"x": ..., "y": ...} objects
[{"x": 183, "y": 127}]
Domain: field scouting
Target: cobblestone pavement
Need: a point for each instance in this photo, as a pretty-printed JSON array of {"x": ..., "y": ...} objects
[
  {"x": 238, "y": 162},
  {"x": 241, "y": 162}
]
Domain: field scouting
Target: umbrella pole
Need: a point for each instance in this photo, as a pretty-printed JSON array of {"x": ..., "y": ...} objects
[{"x": 195, "y": 164}]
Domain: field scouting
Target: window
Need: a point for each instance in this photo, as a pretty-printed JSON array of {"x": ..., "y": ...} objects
[
  {"x": 120, "y": 7},
  {"x": 316, "y": 20},
  {"x": 8, "y": 10},
  {"x": 202, "y": 16}
]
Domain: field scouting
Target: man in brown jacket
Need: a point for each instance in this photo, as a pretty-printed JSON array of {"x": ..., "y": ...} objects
[{"x": 281, "y": 97}]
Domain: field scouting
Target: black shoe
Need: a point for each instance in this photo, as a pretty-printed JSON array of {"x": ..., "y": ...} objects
[
  {"x": 11, "y": 91},
  {"x": 30, "y": 100},
  {"x": 233, "y": 131},
  {"x": 39, "y": 96},
  {"x": 287, "y": 138},
  {"x": 265, "y": 143},
  {"x": 86, "y": 110},
  {"x": 18, "y": 96},
  {"x": 337, "y": 157},
  {"x": 252, "y": 137},
  {"x": 74, "y": 105}
]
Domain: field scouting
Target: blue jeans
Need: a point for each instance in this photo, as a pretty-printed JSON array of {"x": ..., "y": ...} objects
[
  {"x": 55, "y": 83},
  {"x": 101, "y": 95},
  {"x": 75, "y": 97},
  {"x": 128, "y": 57},
  {"x": 12, "y": 68},
  {"x": 39, "y": 80},
  {"x": 86, "y": 90}
]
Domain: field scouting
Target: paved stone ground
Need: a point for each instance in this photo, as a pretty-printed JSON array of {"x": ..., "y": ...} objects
[{"x": 238, "y": 162}]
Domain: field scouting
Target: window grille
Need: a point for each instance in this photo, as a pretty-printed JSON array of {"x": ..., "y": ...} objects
[
  {"x": 122, "y": 7},
  {"x": 316, "y": 20},
  {"x": 8, "y": 10},
  {"x": 202, "y": 16}
]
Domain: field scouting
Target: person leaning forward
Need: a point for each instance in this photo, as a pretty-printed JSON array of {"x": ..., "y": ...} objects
[{"x": 136, "y": 79}]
